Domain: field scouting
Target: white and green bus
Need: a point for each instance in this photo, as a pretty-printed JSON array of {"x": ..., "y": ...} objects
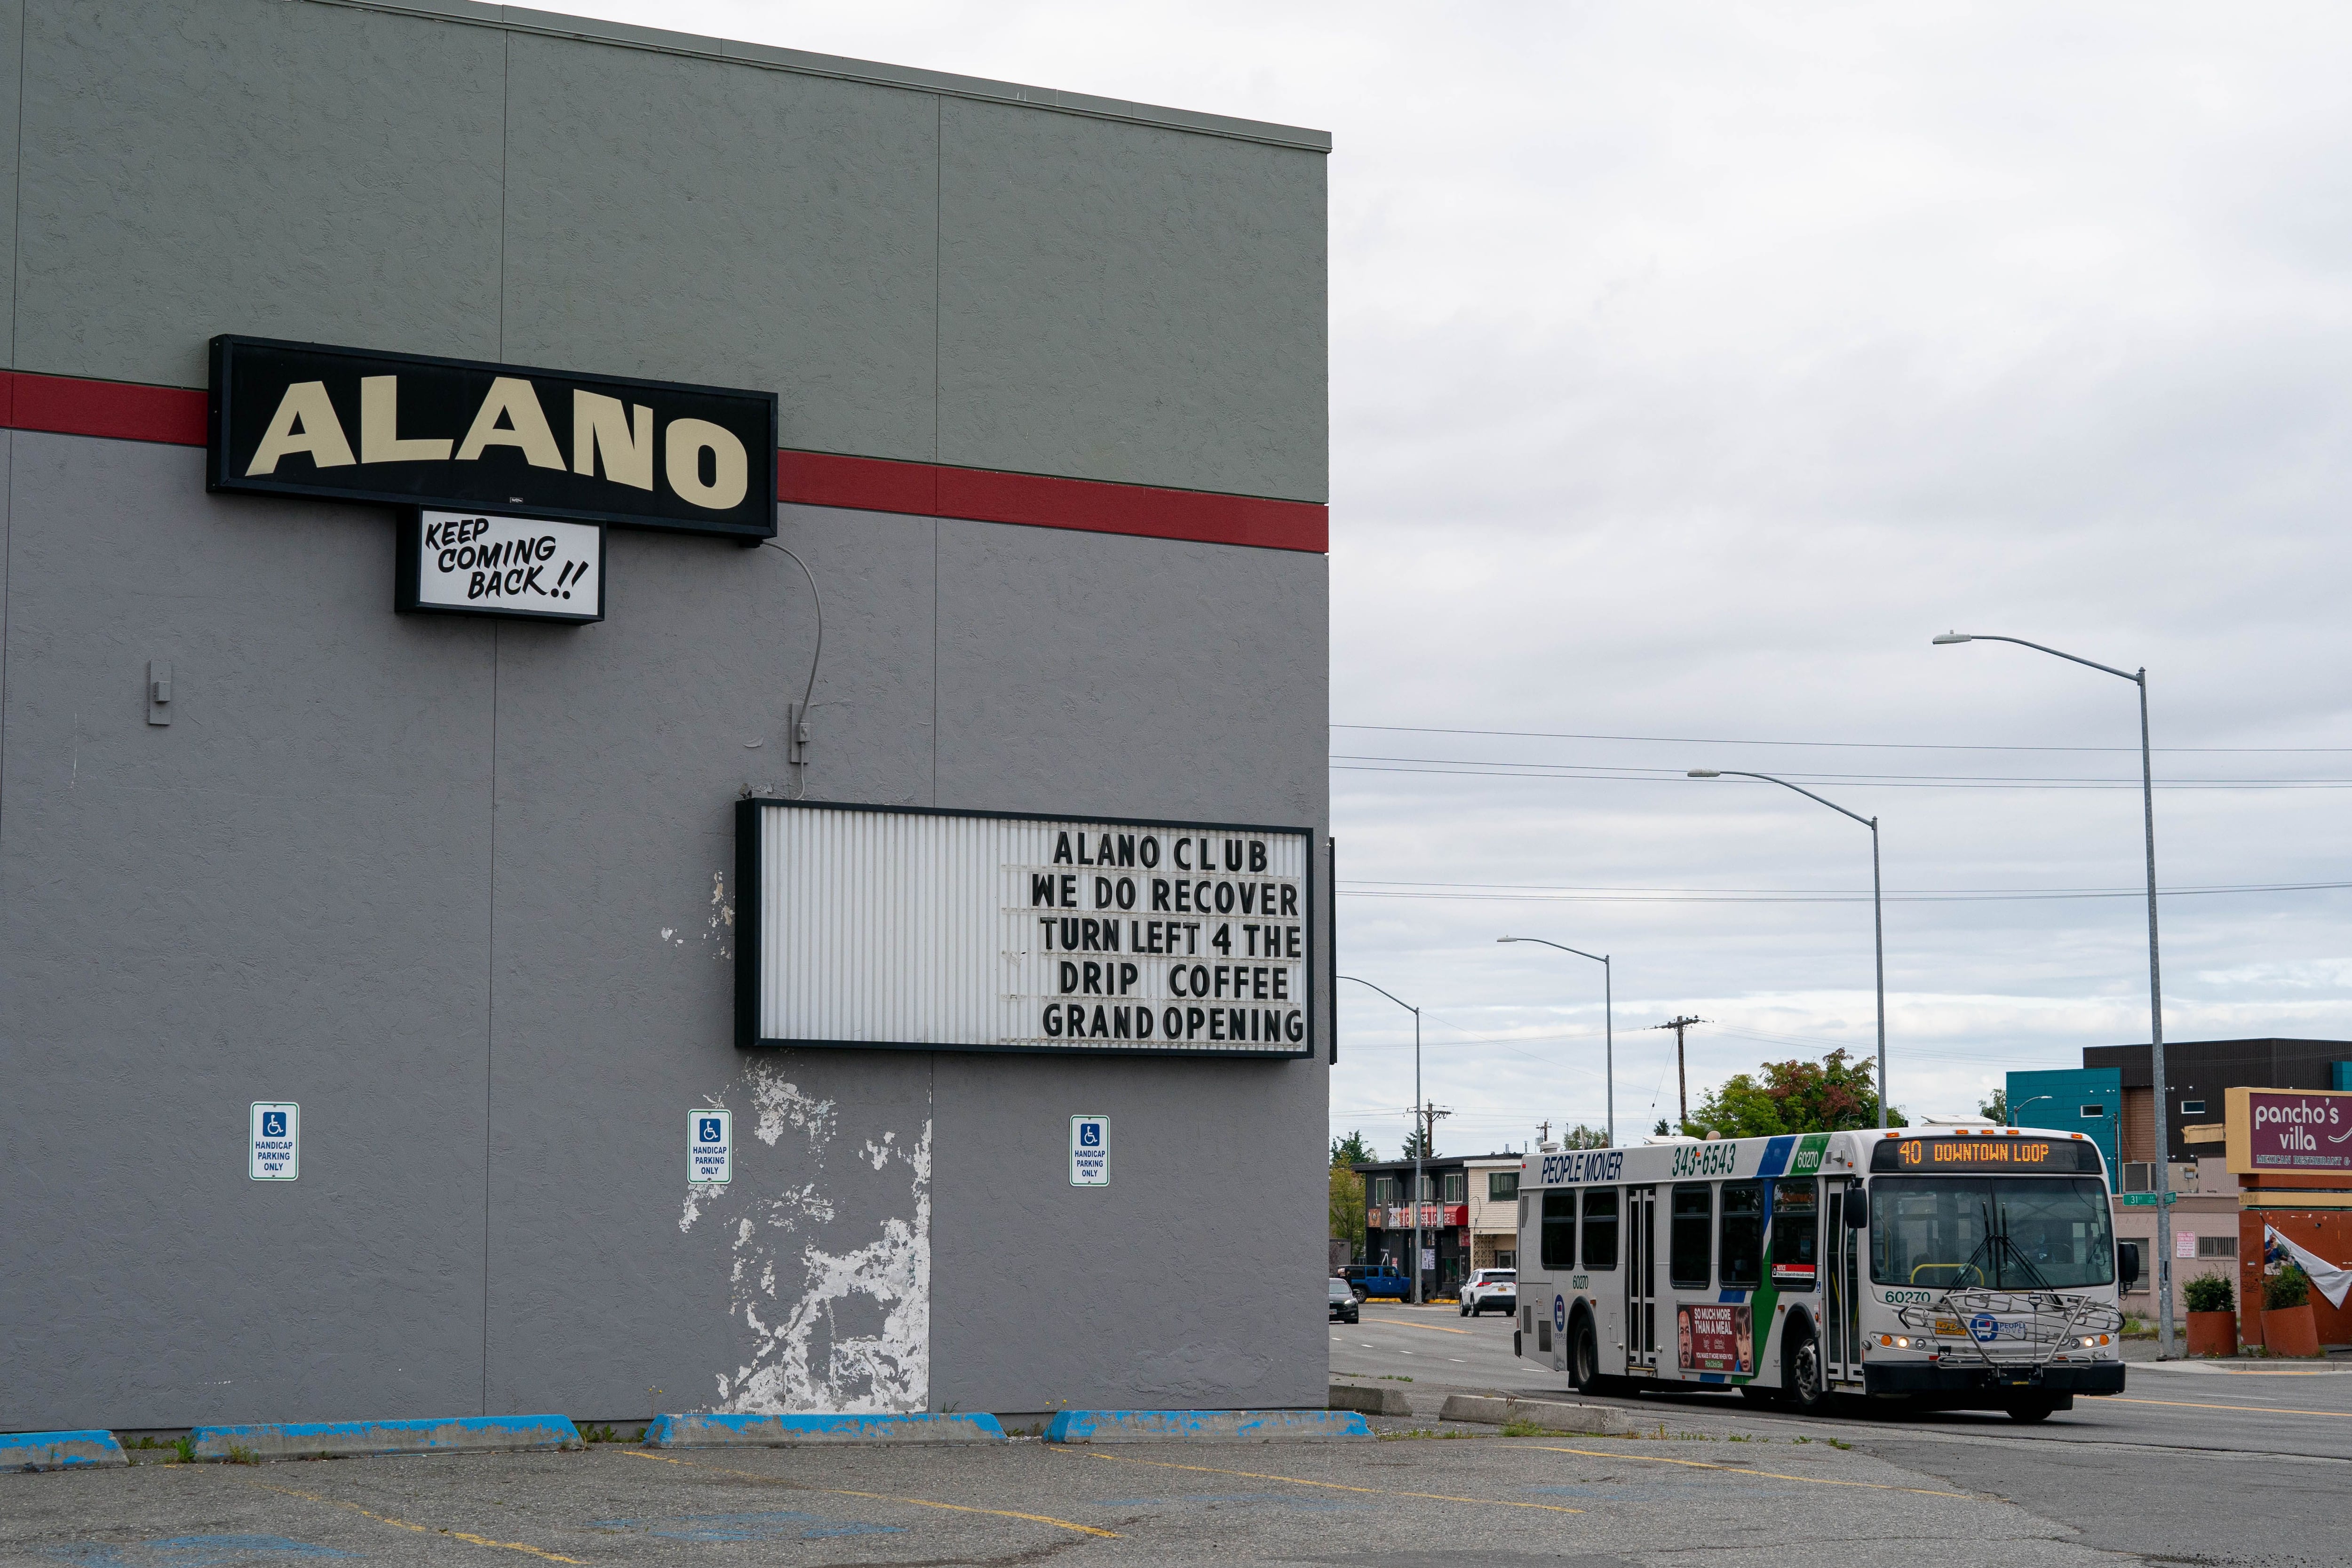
[{"x": 1963, "y": 1267}]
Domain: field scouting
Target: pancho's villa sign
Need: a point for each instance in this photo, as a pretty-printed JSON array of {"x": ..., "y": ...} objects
[
  {"x": 2288, "y": 1130},
  {"x": 955, "y": 931}
]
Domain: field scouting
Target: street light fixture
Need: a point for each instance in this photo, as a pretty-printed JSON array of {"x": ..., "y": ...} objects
[
  {"x": 2154, "y": 979},
  {"x": 1877, "y": 921},
  {"x": 1420, "y": 1141},
  {"x": 1608, "y": 1020}
]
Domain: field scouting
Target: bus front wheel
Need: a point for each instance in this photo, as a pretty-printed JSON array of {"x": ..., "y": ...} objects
[{"x": 1800, "y": 1372}]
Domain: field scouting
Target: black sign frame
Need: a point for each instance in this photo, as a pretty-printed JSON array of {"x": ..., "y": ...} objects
[
  {"x": 563, "y": 495},
  {"x": 750, "y": 953}
]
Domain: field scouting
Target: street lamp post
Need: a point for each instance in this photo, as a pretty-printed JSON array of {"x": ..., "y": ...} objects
[
  {"x": 1608, "y": 1020},
  {"x": 2155, "y": 982},
  {"x": 2015, "y": 1108},
  {"x": 1877, "y": 921},
  {"x": 1419, "y": 1141}
]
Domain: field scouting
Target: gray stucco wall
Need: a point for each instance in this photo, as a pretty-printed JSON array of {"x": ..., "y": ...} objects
[
  {"x": 460, "y": 888},
  {"x": 919, "y": 275}
]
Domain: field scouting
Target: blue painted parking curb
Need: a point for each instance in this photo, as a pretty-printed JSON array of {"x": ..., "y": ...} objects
[
  {"x": 59, "y": 1450},
  {"x": 340, "y": 1439},
  {"x": 1244, "y": 1426},
  {"x": 779, "y": 1431}
]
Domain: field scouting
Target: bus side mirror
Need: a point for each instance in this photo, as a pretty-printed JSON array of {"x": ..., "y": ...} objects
[
  {"x": 1857, "y": 1214},
  {"x": 2128, "y": 1262}
]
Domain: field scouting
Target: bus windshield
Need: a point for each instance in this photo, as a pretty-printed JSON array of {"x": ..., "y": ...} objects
[{"x": 2007, "y": 1233}]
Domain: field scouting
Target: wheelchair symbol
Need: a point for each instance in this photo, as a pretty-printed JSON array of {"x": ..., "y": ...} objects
[
  {"x": 273, "y": 1124},
  {"x": 710, "y": 1134},
  {"x": 1090, "y": 1135}
]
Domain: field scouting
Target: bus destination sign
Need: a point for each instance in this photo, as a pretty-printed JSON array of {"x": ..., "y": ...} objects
[{"x": 2027, "y": 1155}]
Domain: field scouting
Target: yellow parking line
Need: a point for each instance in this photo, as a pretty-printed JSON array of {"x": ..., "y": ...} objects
[
  {"x": 2261, "y": 1409},
  {"x": 1408, "y": 1323},
  {"x": 1744, "y": 1470},
  {"x": 1328, "y": 1486},
  {"x": 877, "y": 1497},
  {"x": 419, "y": 1528}
]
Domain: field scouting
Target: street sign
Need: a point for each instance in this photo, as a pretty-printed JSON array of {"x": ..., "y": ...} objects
[
  {"x": 1089, "y": 1151},
  {"x": 275, "y": 1144},
  {"x": 710, "y": 1147}
]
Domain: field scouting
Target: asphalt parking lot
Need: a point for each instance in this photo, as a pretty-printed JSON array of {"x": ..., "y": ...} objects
[
  {"x": 2199, "y": 1465},
  {"x": 1590, "y": 1501}
]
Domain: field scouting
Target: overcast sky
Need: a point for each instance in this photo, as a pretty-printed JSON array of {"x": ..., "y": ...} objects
[{"x": 1691, "y": 367}]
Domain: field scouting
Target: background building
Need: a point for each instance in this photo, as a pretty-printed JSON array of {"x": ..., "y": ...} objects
[
  {"x": 1492, "y": 1181},
  {"x": 2111, "y": 1097},
  {"x": 1051, "y": 399},
  {"x": 1464, "y": 1224}
]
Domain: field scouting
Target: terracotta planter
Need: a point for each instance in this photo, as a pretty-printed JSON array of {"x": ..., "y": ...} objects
[
  {"x": 2213, "y": 1333},
  {"x": 2292, "y": 1330}
]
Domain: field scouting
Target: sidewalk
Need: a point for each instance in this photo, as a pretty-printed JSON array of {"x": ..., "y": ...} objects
[{"x": 2142, "y": 1353}]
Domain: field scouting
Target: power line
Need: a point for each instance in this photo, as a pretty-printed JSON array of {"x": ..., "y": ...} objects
[
  {"x": 1510, "y": 893},
  {"x": 1836, "y": 746},
  {"x": 1595, "y": 772}
]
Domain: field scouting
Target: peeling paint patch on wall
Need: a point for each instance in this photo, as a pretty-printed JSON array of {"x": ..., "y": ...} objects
[{"x": 829, "y": 1268}]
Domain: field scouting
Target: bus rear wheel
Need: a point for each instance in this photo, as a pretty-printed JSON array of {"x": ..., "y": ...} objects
[
  {"x": 2031, "y": 1410},
  {"x": 1583, "y": 1358}
]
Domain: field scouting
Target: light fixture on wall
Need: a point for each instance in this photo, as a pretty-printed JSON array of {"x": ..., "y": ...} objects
[{"x": 796, "y": 714}]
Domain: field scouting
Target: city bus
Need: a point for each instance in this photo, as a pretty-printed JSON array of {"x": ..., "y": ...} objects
[{"x": 1969, "y": 1267}]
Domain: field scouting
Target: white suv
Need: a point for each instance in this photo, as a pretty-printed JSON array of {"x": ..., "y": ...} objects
[{"x": 1491, "y": 1290}]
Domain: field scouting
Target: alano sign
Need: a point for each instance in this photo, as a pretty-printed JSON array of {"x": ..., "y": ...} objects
[{"x": 462, "y": 436}]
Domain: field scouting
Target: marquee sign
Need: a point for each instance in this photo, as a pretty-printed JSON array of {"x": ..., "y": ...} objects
[
  {"x": 354, "y": 425},
  {"x": 923, "y": 930},
  {"x": 2307, "y": 1130}
]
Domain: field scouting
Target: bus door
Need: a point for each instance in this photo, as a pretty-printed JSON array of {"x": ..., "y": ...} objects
[
  {"x": 1642, "y": 1278},
  {"x": 1841, "y": 1257}
]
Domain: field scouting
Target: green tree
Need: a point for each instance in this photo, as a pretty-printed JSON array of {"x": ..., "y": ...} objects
[
  {"x": 1997, "y": 1108},
  {"x": 1835, "y": 1094},
  {"x": 1582, "y": 1137},
  {"x": 1348, "y": 1208},
  {"x": 1417, "y": 1142},
  {"x": 1352, "y": 1150},
  {"x": 1661, "y": 1130}
]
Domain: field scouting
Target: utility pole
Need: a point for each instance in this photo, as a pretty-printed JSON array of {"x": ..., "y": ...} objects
[
  {"x": 1429, "y": 1117},
  {"x": 1682, "y": 1074},
  {"x": 1543, "y": 1132}
]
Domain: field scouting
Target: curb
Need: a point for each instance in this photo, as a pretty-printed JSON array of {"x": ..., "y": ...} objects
[
  {"x": 1244, "y": 1426},
  {"x": 35, "y": 1451},
  {"x": 1370, "y": 1401},
  {"x": 789, "y": 1431},
  {"x": 360, "y": 1439},
  {"x": 1557, "y": 1417}
]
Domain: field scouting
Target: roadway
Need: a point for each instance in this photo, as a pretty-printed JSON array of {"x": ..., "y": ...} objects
[{"x": 2192, "y": 1463}]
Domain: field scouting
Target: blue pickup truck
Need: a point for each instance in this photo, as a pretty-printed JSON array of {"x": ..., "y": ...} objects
[{"x": 1370, "y": 1279}]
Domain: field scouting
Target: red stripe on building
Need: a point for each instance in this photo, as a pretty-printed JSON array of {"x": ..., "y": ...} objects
[
  {"x": 1036, "y": 500},
  {"x": 118, "y": 409},
  {"x": 124, "y": 411}
]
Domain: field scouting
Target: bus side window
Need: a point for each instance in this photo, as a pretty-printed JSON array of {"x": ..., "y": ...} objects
[
  {"x": 1559, "y": 1230},
  {"x": 1601, "y": 1229},
  {"x": 1742, "y": 1247},
  {"x": 1796, "y": 1231},
  {"x": 1691, "y": 1236}
]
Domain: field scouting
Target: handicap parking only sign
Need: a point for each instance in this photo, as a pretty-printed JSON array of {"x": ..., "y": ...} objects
[
  {"x": 275, "y": 1144},
  {"x": 1089, "y": 1151},
  {"x": 710, "y": 1147}
]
